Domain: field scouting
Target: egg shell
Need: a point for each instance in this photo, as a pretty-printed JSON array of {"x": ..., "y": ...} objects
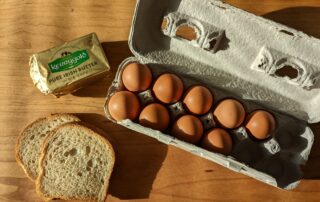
[
  {"x": 155, "y": 116},
  {"x": 261, "y": 124},
  {"x": 230, "y": 113},
  {"x": 168, "y": 88},
  {"x": 124, "y": 105},
  {"x": 136, "y": 77},
  {"x": 188, "y": 128},
  {"x": 218, "y": 140},
  {"x": 198, "y": 100}
]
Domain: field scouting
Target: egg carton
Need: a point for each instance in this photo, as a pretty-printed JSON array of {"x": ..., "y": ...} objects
[{"x": 242, "y": 64}]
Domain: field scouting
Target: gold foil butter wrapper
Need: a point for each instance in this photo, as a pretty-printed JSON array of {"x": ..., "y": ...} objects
[{"x": 66, "y": 68}]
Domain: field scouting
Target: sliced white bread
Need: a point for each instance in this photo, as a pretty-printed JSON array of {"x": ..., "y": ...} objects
[
  {"x": 76, "y": 164},
  {"x": 29, "y": 142}
]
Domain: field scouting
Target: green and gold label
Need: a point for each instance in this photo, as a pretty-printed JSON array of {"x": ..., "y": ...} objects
[{"x": 69, "y": 62}]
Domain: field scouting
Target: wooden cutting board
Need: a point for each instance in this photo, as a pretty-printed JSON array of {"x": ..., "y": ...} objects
[{"x": 146, "y": 169}]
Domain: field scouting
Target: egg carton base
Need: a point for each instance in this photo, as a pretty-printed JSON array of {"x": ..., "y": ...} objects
[{"x": 275, "y": 161}]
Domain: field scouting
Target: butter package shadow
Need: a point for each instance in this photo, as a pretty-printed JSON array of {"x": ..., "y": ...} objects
[{"x": 68, "y": 67}]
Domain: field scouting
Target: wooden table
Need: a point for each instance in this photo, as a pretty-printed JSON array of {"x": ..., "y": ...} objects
[{"x": 146, "y": 169}]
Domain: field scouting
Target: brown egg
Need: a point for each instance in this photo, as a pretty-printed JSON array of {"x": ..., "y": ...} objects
[
  {"x": 136, "y": 77},
  {"x": 124, "y": 105},
  {"x": 155, "y": 116},
  {"x": 261, "y": 124},
  {"x": 188, "y": 128},
  {"x": 168, "y": 88},
  {"x": 218, "y": 140},
  {"x": 198, "y": 100},
  {"x": 230, "y": 113}
]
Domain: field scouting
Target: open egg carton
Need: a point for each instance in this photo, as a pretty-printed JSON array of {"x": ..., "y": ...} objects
[{"x": 234, "y": 54}]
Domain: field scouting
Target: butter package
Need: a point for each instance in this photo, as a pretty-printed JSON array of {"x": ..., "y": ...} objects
[{"x": 70, "y": 66}]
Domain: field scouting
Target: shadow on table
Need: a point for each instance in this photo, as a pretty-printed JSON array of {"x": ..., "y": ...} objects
[
  {"x": 138, "y": 158},
  {"x": 116, "y": 52},
  {"x": 305, "y": 19}
]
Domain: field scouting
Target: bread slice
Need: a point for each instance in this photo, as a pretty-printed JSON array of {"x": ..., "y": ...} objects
[
  {"x": 29, "y": 142},
  {"x": 76, "y": 164}
]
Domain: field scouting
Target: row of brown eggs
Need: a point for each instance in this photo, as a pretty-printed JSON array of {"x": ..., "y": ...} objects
[{"x": 198, "y": 100}]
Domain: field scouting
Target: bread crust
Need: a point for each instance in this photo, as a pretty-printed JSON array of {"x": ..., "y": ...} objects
[
  {"x": 22, "y": 134},
  {"x": 45, "y": 146},
  {"x": 17, "y": 147}
]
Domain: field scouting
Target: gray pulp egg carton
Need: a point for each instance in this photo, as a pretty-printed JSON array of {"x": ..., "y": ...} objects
[{"x": 235, "y": 54}]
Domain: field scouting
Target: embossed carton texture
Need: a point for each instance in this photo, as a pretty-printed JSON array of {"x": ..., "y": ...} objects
[{"x": 236, "y": 54}]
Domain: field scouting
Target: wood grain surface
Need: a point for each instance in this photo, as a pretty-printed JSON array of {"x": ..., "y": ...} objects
[{"x": 146, "y": 170}]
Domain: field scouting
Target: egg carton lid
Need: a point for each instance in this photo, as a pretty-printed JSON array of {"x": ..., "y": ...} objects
[{"x": 234, "y": 50}]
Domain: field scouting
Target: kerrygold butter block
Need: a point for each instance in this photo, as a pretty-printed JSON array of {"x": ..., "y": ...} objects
[{"x": 66, "y": 68}]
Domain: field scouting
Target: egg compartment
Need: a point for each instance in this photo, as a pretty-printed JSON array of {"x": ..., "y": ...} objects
[
  {"x": 246, "y": 149},
  {"x": 236, "y": 67}
]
